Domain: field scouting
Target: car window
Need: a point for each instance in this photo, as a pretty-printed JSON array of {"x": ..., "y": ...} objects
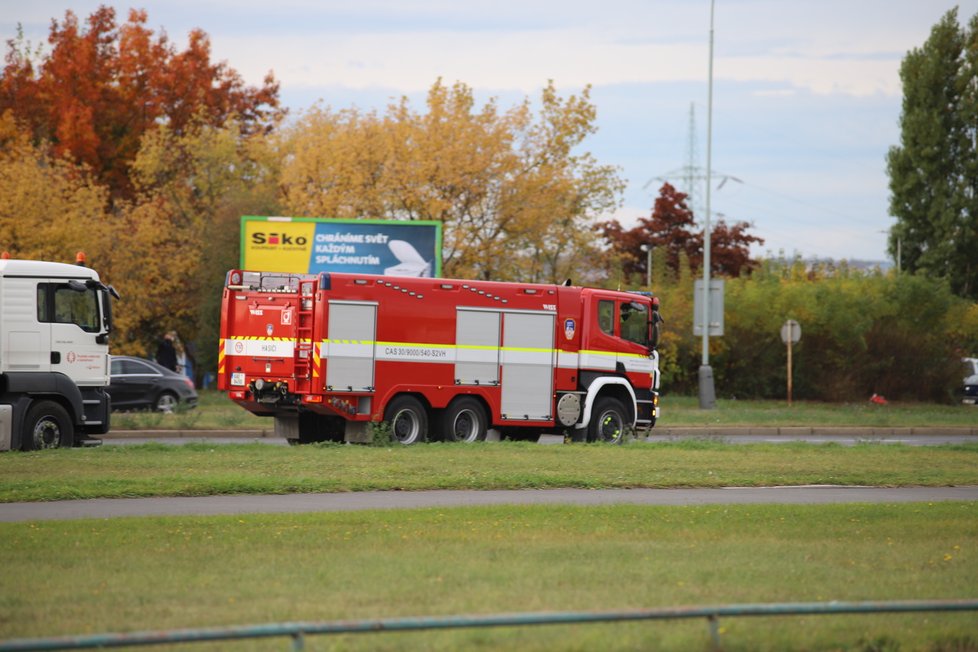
[
  {"x": 116, "y": 367},
  {"x": 136, "y": 367}
]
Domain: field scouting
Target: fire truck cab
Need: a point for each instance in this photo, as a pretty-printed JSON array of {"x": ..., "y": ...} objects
[{"x": 328, "y": 355}]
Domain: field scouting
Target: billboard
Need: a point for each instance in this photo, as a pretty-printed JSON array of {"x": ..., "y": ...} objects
[{"x": 309, "y": 245}]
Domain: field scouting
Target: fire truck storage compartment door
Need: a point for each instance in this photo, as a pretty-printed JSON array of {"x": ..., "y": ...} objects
[
  {"x": 350, "y": 345},
  {"x": 528, "y": 366},
  {"x": 477, "y": 347}
]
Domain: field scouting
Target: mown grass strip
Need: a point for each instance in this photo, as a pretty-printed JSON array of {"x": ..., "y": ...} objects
[
  {"x": 159, "y": 573},
  {"x": 201, "y": 469}
]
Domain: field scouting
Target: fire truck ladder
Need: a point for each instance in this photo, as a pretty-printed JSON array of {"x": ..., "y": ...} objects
[{"x": 303, "y": 335}]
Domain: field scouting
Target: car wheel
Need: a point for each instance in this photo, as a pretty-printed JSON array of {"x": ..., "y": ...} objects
[
  {"x": 408, "y": 420},
  {"x": 47, "y": 426},
  {"x": 608, "y": 421},
  {"x": 464, "y": 420},
  {"x": 167, "y": 402}
]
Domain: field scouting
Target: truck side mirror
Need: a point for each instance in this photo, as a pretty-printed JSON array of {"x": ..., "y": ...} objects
[{"x": 654, "y": 329}]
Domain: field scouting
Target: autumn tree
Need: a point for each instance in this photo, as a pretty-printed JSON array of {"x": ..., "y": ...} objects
[
  {"x": 103, "y": 86},
  {"x": 514, "y": 195},
  {"x": 934, "y": 170},
  {"x": 51, "y": 208},
  {"x": 671, "y": 231},
  {"x": 181, "y": 235}
]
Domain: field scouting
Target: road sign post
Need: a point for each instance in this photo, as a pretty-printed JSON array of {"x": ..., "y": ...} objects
[{"x": 790, "y": 334}]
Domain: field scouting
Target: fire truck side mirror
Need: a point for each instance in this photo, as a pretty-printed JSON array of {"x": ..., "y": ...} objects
[{"x": 654, "y": 330}]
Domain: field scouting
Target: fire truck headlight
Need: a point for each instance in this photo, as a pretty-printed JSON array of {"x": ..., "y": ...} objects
[{"x": 259, "y": 384}]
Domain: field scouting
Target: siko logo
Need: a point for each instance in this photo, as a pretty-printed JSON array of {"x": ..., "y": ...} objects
[{"x": 260, "y": 238}]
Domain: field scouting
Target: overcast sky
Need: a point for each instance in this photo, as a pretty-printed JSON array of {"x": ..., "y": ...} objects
[{"x": 806, "y": 94}]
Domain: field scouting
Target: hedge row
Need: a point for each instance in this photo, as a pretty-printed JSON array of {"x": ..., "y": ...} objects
[{"x": 896, "y": 335}]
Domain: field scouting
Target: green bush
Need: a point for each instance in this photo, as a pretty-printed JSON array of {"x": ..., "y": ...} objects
[{"x": 897, "y": 335}]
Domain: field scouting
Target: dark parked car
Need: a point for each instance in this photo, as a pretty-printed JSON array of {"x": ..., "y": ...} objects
[
  {"x": 139, "y": 384},
  {"x": 970, "y": 394}
]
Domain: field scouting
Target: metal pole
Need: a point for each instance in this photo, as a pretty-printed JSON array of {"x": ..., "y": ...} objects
[
  {"x": 648, "y": 269},
  {"x": 790, "y": 339},
  {"x": 707, "y": 393}
]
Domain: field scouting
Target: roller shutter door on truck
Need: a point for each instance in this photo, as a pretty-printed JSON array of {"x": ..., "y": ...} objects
[
  {"x": 352, "y": 329},
  {"x": 528, "y": 366}
]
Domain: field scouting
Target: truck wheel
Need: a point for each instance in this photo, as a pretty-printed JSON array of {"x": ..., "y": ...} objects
[
  {"x": 408, "y": 420},
  {"x": 608, "y": 421},
  {"x": 47, "y": 426},
  {"x": 464, "y": 420}
]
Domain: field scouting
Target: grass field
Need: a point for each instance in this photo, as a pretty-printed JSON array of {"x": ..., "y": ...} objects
[
  {"x": 95, "y": 576},
  {"x": 216, "y": 411},
  {"x": 202, "y": 469},
  {"x": 155, "y": 573}
]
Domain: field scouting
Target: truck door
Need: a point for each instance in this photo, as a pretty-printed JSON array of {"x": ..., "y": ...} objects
[
  {"x": 477, "y": 347},
  {"x": 75, "y": 315},
  {"x": 351, "y": 334},
  {"x": 528, "y": 366}
]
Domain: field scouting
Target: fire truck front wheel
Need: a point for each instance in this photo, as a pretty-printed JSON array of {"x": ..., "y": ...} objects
[
  {"x": 408, "y": 420},
  {"x": 608, "y": 421},
  {"x": 47, "y": 426},
  {"x": 464, "y": 420}
]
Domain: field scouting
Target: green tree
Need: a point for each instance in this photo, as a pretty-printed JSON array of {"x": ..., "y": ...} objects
[{"x": 934, "y": 171}]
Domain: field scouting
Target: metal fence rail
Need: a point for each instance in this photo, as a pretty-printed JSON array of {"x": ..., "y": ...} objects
[{"x": 298, "y": 631}]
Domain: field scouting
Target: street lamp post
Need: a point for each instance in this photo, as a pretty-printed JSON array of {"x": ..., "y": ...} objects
[
  {"x": 647, "y": 248},
  {"x": 707, "y": 392}
]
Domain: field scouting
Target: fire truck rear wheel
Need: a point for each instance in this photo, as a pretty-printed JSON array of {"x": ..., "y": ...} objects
[
  {"x": 47, "y": 426},
  {"x": 408, "y": 420},
  {"x": 608, "y": 421},
  {"x": 464, "y": 420}
]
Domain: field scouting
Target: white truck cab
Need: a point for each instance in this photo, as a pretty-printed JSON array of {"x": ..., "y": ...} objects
[{"x": 55, "y": 320}]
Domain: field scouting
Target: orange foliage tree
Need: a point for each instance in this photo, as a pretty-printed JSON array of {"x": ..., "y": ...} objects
[{"x": 103, "y": 86}]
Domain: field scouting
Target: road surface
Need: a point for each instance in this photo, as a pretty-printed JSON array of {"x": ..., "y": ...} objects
[{"x": 324, "y": 502}]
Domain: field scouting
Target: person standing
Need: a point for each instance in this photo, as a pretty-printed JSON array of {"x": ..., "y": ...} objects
[
  {"x": 181, "y": 367},
  {"x": 166, "y": 353}
]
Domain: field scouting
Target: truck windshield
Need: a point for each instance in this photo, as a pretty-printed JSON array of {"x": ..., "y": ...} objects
[
  {"x": 60, "y": 303},
  {"x": 635, "y": 323}
]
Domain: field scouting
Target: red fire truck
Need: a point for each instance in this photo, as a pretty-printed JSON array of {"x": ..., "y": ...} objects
[{"x": 328, "y": 355}]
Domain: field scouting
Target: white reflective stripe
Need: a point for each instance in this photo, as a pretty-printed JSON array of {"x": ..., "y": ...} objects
[
  {"x": 638, "y": 363},
  {"x": 259, "y": 347},
  {"x": 404, "y": 352},
  {"x": 543, "y": 357},
  {"x": 567, "y": 359},
  {"x": 598, "y": 359},
  {"x": 348, "y": 348},
  {"x": 476, "y": 353}
]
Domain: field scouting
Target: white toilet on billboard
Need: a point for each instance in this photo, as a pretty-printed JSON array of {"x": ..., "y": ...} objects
[{"x": 410, "y": 262}]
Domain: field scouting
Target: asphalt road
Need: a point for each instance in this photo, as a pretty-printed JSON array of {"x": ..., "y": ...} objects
[{"x": 326, "y": 502}]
